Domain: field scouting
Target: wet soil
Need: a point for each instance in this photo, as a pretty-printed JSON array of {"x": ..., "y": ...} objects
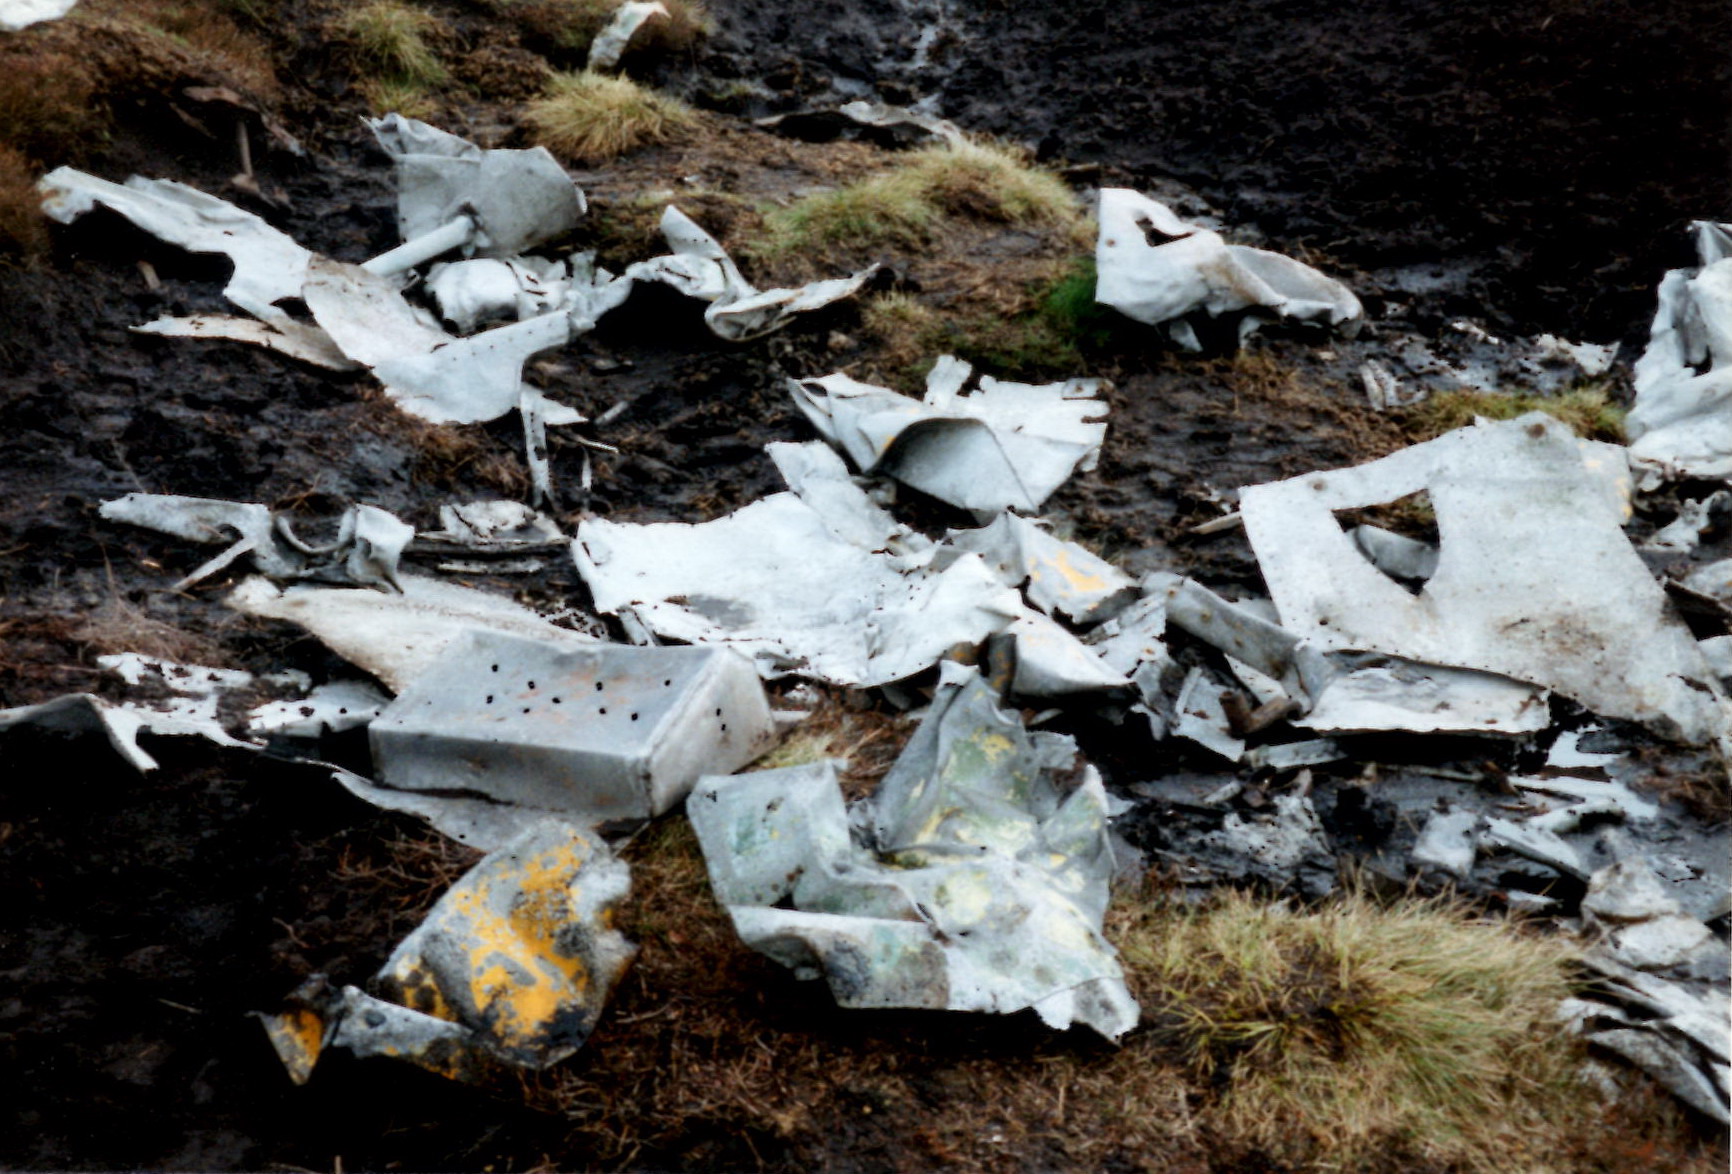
[{"x": 1534, "y": 164}]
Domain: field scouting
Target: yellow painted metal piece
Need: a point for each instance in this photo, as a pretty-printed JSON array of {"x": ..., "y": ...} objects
[
  {"x": 522, "y": 949},
  {"x": 298, "y": 1035}
]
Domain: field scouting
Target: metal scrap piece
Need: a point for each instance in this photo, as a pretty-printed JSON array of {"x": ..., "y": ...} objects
[
  {"x": 1681, "y": 423},
  {"x": 522, "y": 950},
  {"x": 610, "y": 44},
  {"x": 518, "y": 198},
  {"x": 269, "y": 266},
  {"x": 600, "y": 731},
  {"x": 1001, "y": 446},
  {"x": 985, "y": 893},
  {"x": 816, "y": 581},
  {"x": 396, "y": 637},
  {"x": 1059, "y": 577},
  {"x": 700, "y": 268},
  {"x": 1194, "y": 269},
  {"x": 1535, "y": 579}
]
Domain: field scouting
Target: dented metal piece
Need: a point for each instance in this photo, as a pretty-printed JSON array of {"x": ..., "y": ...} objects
[{"x": 599, "y": 731}]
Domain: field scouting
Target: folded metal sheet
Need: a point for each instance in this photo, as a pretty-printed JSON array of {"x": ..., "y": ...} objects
[
  {"x": 1535, "y": 579},
  {"x": 598, "y": 731},
  {"x": 121, "y": 724},
  {"x": 396, "y": 637},
  {"x": 816, "y": 581},
  {"x": 1194, "y": 270},
  {"x": 1000, "y": 446},
  {"x": 269, "y": 266},
  {"x": 427, "y": 372},
  {"x": 985, "y": 893}
]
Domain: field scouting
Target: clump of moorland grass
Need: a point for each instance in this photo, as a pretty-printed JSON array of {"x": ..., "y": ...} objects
[
  {"x": 904, "y": 206},
  {"x": 1356, "y": 1025},
  {"x": 572, "y": 24},
  {"x": 586, "y": 116},
  {"x": 391, "y": 37},
  {"x": 1590, "y": 411}
]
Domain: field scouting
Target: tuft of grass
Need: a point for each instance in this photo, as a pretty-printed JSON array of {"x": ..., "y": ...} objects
[
  {"x": 23, "y": 231},
  {"x": 391, "y": 36},
  {"x": 585, "y": 116},
  {"x": 989, "y": 182},
  {"x": 393, "y": 94},
  {"x": 1337, "y": 1031},
  {"x": 1590, "y": 411},
  {"x": 906, "y": 205},
  {"x": 571, "y": 25}
]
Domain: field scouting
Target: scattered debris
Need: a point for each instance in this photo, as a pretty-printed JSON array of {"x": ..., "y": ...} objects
[
  {"x": 1662, "y": 999},
  {"x": 1192, "y": 269},
  {"x": 1002, "y": 446},
  {"x": 816, "y": 581},
  {"x": 599, "y": 731},
  {"x": 891, "y": 126},
  {"x": 984, "y": 888}
]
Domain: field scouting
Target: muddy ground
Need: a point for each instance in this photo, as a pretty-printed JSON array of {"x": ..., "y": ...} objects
[{"x": 1530, "y": 165}]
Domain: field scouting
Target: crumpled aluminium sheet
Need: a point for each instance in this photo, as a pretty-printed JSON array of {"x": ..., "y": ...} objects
[
  {"x": 396, "y": 637},
  {"x": 1195, "y": 270},
  {"x": 986, "y": 890},
  {"x": 700, "y": 268},
  {"x": 298, "y": 340},
  {"x": 365, "y": 551},
  {"x": 1535, "y": 578},
  {"x": 519, "y": 197},
  {"x": 1001, "y": 446},
  {"x": 513, "y": 966},
  {"x": 269, "y": 266},
  {"x": 1681, "y": 423},
  {"x": 816, "y": 581}
]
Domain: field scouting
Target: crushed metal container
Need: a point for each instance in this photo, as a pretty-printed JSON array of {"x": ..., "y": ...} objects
[{"x": 604, "y": 732}]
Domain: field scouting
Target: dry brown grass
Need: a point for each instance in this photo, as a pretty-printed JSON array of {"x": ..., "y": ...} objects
[
  {"x": 591, "y": 116},
  {"x": 119, "y": 625},
  {"x": 905, "y": 205},
  {"x": 23, "y": 231},
  {"x": 1332, "y": 1032}
]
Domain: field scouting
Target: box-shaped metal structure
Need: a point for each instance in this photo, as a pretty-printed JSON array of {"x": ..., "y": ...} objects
[{"x": 609, "y": 731}]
